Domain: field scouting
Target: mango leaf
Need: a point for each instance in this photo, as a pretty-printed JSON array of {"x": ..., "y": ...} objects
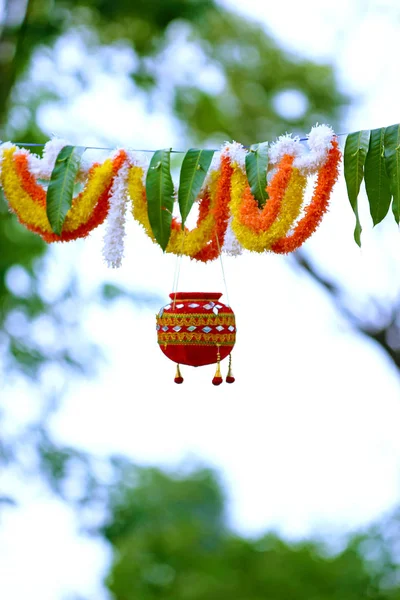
[
  {"x": 193, "y": 172},
  {"x": 355, "y": 152},
  {"x": 377, "y": 183},
  {"x": 256, "y": 170},
  {"x": 60, "y": 191},
  {"x": 392, "y": 162},
  {"x": 160, "y": 196}
]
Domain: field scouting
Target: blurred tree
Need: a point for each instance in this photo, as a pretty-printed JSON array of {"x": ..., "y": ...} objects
[
  {"x": 170, "y": 540},
  {"x": 222, "y": 77},
  {"x": 381, "y": 325},
  {"x": 224, "y": 67},
  {"x": 213, "y": 66}
]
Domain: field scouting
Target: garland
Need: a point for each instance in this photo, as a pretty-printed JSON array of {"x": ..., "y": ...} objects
[
  {"x": 27, "y": 198},
  {"x": 314, "y": 212},
  {"x": 113, "y": 244},
  {"x": 202, "y": 242},
  {"x": 288, "y": 186},
  {"x": 229, "y": 217},
  {"x": 220, "y": 213}
]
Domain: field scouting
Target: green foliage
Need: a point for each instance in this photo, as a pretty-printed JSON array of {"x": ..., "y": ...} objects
[
  {"x": 256, "y": 170},
  {"x": 392, "y": 161},
  {"x": 355, "y": 153},
  {"x": 376, "y": 155},
  {"x": 377, "y": 184},
  {"x": 193, "y": 173},
  {"x": 150, "y": 500},
  {"x": 170, "y": 540},
  {"x": 60, "y": 191},
  {"x": 160, "y": 196}
]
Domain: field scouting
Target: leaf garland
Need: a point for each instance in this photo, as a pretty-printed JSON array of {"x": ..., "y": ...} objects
[
  {"x": 60, "y": 191},
  {"x": 377, "y": 183},
  {"x": 373, "y": 155},
  {"x": 193, "y": 173},
  {"x": 256, "y": 162},
  {"x": 392, "y": 162},
  {"x": 355, "y": 153},
  {"x": 160, "y": 196}
]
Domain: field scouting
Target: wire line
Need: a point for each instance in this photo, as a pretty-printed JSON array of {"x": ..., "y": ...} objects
[{"x": 33, "y": 145}]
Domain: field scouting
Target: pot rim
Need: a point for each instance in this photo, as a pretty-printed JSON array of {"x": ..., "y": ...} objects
[{"x": 195, "y": 295}]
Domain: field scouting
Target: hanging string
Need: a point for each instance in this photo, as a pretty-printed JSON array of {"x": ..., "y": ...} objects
[
  {"x": 223, "y": 272},
  {"x": 32, "y": 145},
  {"x": 174, "y": 284},
  {"x": 178, "y": 270}
]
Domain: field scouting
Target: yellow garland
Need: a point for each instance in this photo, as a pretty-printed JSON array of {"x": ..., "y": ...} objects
[
  {"x": 139, "y": 205},
  {"x": 291, "y": 206},
  {"x": 188, "y": 243},
  {"x": 83, "y": 206},
  {"x": 20, "y": 202},
  {"x": 191, "y": 242},
  {"x": 34, "y": 214}
]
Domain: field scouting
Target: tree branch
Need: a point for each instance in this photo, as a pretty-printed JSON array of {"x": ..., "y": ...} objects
[{"x": 386, "y": 335}]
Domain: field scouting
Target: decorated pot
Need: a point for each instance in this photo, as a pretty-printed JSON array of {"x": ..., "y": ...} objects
[{"x": 196, "y": 328}]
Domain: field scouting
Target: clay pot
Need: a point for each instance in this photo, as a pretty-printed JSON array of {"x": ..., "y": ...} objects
[{"x": 194, "y": 327}]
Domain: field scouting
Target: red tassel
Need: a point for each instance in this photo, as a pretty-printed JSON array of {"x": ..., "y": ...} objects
[
  {"x": 178, "y": 376},
  {"x": 229, "y": 379}
]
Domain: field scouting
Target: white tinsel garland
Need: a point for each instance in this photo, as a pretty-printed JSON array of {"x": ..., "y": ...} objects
[
  {"x": 114, "y": 236},
  {"x": 231, "y": 246}
]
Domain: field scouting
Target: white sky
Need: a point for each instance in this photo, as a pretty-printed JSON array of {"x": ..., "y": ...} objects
[{"x": 307, "y": 438}]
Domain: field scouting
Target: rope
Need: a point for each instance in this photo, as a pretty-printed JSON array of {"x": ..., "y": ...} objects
[
  {"x": 223, "y": 272},
  {"x": 32, "y": 145},
  {"x": 177, "y": 273}
]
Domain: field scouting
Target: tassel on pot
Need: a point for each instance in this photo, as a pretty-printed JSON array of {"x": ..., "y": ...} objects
[
  {"x": 230, "y": 378},
  {"x": 178, "y": 375},
  {"x": 217, "y": 379}
]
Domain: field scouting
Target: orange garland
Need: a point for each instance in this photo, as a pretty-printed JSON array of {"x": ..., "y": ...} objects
[
  {"x": 261, "y": 219},
  {"x": 204, "y": 209},
  {"x": 221, "y": 213},
  {"x": 28, "y": 181},
  {"x": 327, "y": 177}
]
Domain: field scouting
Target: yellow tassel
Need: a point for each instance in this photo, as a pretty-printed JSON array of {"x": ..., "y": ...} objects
[{"x": 217, "y": 379}]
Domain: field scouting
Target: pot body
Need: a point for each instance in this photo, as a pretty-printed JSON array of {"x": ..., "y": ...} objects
[{"x": 194, "y": 327}]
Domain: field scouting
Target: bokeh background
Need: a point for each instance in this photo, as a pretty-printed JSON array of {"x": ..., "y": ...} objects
[{"x": 117, "y": 484}]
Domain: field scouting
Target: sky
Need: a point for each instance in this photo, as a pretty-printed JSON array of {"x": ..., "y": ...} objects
[{"x": 306, "y": 440}]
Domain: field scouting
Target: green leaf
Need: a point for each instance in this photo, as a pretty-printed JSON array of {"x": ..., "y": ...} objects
[
  {"x": 377, "y": 183},
  {"x": 61, "y": 187},
  {"x": 193, "y": 172},
  {"x": 355, "y": 152},
  {"x": 256, "y": 170},
  {"x": 160, "y": 196},
  {"x": 392, "y": 162}
]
